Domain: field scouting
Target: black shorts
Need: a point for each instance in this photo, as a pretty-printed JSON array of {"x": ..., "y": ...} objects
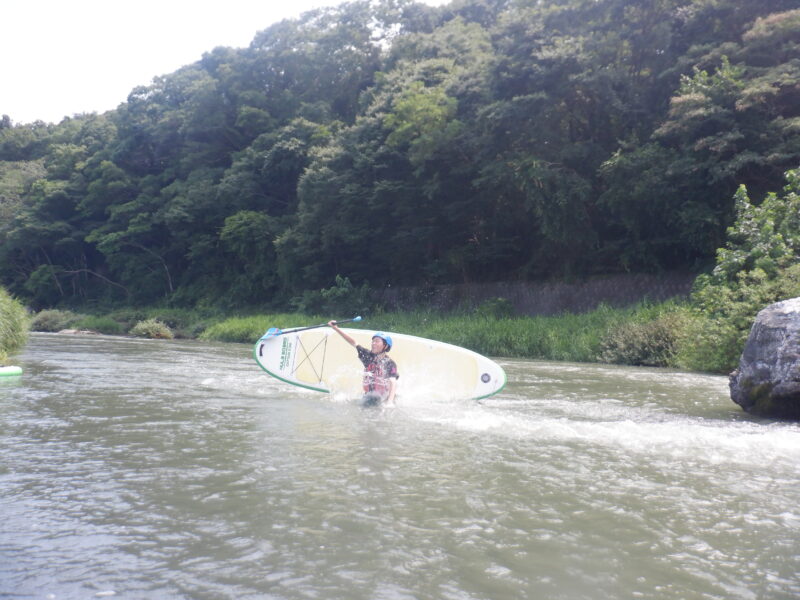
[{"x": 372, "y": 399}]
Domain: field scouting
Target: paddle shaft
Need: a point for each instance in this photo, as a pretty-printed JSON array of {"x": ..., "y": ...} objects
[{"x": 353, "y": 320}]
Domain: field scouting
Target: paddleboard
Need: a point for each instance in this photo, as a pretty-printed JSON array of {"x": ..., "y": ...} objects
[
  {"x": 10, "y": 371},
  {"x": 320, "y": 359}
]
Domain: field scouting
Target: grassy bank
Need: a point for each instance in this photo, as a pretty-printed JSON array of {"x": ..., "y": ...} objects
[
  {"x": 633, "y": 335},
  {"x": 645, "y": 334}
]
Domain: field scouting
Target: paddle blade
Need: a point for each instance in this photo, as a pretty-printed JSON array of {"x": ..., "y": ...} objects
[{"x": 271, "y": 332}]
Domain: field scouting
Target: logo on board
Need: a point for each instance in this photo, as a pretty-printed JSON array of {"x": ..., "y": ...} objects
[{"x": 286, "y": 349}]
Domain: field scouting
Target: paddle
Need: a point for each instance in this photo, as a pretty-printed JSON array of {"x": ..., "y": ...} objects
[{"x": 274, "y": 331}]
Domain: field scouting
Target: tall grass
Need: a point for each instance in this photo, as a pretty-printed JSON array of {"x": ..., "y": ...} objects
[
  {"x": 250, "y": 329},
  {"x": 99, "y": 324},
  {"x": 645, "y": 334},
  {"x": 14, "y": 325},
  {"x": 566, "y": 337}
]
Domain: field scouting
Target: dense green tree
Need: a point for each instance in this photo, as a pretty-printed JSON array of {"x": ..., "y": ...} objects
[
  {"x": 329, "y": 55},
  {"x": 389, "y": 142},
  {"x": 24, "y": 142},
  {"x": 389, "y": 201},
  {"x": 247, "y": 238},
  {"x": 726, "y": 126}
]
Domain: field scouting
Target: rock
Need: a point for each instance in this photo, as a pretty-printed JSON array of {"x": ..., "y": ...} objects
[{"x": 767, "y": 382}]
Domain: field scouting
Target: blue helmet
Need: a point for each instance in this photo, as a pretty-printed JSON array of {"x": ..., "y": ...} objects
[{"x": 387, "y": 339}]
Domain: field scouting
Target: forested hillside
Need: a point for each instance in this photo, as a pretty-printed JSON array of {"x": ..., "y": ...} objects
[{"x": 394, "y": 143}]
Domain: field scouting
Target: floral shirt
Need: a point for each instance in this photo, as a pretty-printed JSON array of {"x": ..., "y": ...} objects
[{"x": 377, "y": 371}]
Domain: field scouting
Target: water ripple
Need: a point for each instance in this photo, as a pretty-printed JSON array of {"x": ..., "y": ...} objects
[{"x": 174, "y": 470}]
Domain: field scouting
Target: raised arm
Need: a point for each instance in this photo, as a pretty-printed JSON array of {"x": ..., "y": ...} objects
[{"x": 346, "y": 337}]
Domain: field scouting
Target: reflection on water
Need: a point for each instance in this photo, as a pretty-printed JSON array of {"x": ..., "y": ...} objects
[{"x": 152, "y": 469}]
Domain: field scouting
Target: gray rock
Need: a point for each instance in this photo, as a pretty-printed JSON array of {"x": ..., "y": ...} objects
[{"x": 767, "y": 382}]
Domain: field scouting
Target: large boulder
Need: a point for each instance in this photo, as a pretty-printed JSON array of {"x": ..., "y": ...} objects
[{"x": 767, "y": 382}]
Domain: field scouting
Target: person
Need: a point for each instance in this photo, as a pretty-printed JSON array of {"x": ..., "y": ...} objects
[{"x": 380, "y": 371}]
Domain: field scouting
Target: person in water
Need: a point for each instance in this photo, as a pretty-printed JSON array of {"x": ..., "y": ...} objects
[{"x": 380, "y": 371}]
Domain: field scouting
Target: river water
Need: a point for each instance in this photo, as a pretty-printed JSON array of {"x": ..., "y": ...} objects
[{"x": 178, "y": 469}]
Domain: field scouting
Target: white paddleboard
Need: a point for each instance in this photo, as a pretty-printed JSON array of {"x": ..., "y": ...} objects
[{"x": 320, "y": 359}]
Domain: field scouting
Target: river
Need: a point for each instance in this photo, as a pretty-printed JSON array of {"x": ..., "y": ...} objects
[{"x": 137, "y": 468}]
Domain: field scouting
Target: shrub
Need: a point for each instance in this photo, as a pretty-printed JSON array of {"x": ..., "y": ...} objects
[
  {"x": 54, "y": 320},
  {"x": 153, "y": 329},
  {"x": 759, "y": 265},
  {"x": 725, "y": 315},
  {"x": 713, "y": 346},
  {"x": 174, "y": 318},
  {"x": 652, "y": 343},
  {"x": 183, "y": 322}
]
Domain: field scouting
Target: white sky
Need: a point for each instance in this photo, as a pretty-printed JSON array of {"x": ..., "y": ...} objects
[{"x": 63, "y": 57}]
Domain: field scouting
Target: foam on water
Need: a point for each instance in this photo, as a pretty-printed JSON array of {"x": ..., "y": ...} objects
[{"x": 643, "y": 433}]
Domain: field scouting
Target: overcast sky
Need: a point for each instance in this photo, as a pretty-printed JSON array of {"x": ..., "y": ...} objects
[{"x": 63, "y": 57}]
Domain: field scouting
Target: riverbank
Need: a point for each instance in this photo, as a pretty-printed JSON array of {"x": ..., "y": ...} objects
[{"x": 646, "y": 334}]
